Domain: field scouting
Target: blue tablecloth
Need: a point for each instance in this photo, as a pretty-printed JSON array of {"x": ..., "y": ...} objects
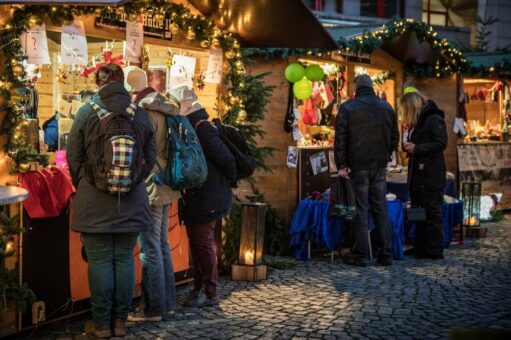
[
  {"x": 402, "y": 194},
  {"x": 311, "y": 222},
  {"x": 452, "y": 215}
]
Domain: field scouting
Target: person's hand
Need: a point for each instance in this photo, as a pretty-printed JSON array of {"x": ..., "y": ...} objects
[
  {"x": 344, "y": 173},
  {"x": 409, "y": 147}
]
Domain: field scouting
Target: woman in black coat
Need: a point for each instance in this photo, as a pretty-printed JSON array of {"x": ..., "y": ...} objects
[{"x": 427, "y": 140}]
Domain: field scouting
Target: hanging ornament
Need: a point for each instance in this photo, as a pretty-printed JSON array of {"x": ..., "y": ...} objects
[
  {"x": 174, "y": 28},
  {"x": 314, "y": 72},
  {"x": 145, "y": 59},
  {"x": 229, "y": 54},
  {"x": 294, "y": 72},
  {"x": 132, "y": 16},
  {"x": 190, "y": 34},
  {"x": 17, "y": 70},
  {"x": 159, "y": 16},
  {"x": 215, "y": 43},
  {"x": 302, "y": 89},
  {"x": 236, "y": 45},
  {"x": 204, "y": 43},
  {"x": 24, "y": 167},
  {"x": 200, "y": 81},
  {"x": 242, "y": 116},
  {"x": 234, "y": 100}
]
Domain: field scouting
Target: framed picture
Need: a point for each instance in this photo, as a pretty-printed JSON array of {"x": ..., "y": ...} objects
[{"x": 157, "y": 78}]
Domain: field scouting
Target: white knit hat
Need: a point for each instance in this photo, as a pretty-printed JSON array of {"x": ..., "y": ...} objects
[
  {"x": 187, "y": 97},
  {"x": 136, "y": 79}
]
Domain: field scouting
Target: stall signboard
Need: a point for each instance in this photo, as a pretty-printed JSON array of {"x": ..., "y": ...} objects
[
  {"x": 134, "y": 41},
  {"x": 35, "y": 45},
  {"x": 352, "y": 56},
  {"x": 489, "y": 164},
  {"x": 153, "y": 27}
]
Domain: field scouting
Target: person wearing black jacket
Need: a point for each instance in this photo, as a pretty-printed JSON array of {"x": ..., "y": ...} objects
[
  {"x": 206, "y": 205},
  {"x": 426, "y": 170},
  {"x": 366, "y": 135}
]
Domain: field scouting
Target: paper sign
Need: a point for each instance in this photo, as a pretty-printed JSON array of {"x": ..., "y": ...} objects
[
  {"x": 182, "y": 71},
  {"x": 134, "y": 41},
  {"x": 35, "y": 45},
  {"x": 292, "y": 156},
  {"x": 73, "y": 44},
  {"x": 215, "y": 65},
  {"x": 297, "y": 134},
  {"x": 319, "y": 163}
]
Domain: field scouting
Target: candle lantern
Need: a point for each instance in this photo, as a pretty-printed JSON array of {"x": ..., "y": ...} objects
[
  {"x": 250, "y": 267},
  {"x": 471, "y": 196}
]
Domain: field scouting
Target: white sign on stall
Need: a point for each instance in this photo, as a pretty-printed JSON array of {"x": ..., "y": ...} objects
[
  {"x": 182, "y": 71},
  {"x": 215, "y": 65},
  {"x": 74, "y": 44},
  {"x": 35, "y": 45},
  {"x": 134, "y": 41}
]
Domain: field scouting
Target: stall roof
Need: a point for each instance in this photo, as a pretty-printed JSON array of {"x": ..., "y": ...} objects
[
  {"x": 268, "y": 23},
  {"x": 487, "y": 59}
]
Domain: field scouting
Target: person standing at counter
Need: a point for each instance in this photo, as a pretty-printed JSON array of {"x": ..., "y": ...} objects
[
  {"x": 427, "y": 140},
  {"x": 205, "y": 206},
  {"x": 109, "y": 221},
  {"x": 158, "y": 282},
  {"x": 366, "y": 135}
]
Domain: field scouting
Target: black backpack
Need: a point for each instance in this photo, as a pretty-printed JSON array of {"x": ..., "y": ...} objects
[
  {"x": 114, "y": 159},
  {"x": 237, "y": 144}
]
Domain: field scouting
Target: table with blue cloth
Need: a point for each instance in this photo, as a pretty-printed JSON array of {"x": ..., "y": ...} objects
[
  {"x": 312, "y": 223},
  {"x": 399, "y": 187},
  {"x": 452, "y": 215}
]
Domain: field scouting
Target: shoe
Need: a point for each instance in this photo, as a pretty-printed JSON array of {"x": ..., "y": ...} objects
[
  {"x": 202, "y": 300},
  {"x": 135, "y": 317},
  {"x": 354, "y": 260},
  {"x": 385, "y": 260},
  {"x": 120, "y": 327},
  {"x": 192, "y": 295},
  {"x": 98, "y": 331}
]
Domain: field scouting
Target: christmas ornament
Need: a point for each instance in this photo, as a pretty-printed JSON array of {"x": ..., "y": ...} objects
[
  {"x": 294, "y": 72},
  {"x": 302, "y": 89},
  {"x": 314, "y": 72}
]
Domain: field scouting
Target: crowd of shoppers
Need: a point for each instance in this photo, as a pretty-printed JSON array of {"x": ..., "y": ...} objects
[{"x": 111, "y": 224}]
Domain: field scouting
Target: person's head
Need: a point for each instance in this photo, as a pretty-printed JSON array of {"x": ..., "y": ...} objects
[
  {"x": 136, "y": 79},
  {"x": 411, "y": 104},
  {"x": 363, "y": 80},
  {"x": 187, "y": 99},
  {"x": 109, "y": 73}
]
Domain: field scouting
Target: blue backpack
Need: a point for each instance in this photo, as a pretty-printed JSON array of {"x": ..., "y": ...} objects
[{"x": 186, "y": 163}]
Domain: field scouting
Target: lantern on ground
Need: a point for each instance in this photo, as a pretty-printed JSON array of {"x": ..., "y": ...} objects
[
  {"x": 471, "y": 196},
  {"x": 250, "y": 267}
]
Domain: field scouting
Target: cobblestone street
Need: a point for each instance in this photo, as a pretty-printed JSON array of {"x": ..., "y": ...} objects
[{"x": 412, "y": 299}]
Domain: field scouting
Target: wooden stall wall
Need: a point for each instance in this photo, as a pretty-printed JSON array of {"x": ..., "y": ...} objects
[{"x": 444, "y": 92}]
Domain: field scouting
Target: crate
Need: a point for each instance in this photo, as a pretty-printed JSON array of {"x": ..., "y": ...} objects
[
  {"x": 477, "y": 232},
  {"x": 249, "y": 273}
]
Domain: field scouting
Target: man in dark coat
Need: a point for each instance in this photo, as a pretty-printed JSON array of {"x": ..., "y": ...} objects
[
  {"x": 366, "y": 135},
  {"x": 205, "y": 206},
  {"x": 109, "y": 223}
]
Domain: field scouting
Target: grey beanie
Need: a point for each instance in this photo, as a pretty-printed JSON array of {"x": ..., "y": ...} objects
[{"x": 363, "y": 80}]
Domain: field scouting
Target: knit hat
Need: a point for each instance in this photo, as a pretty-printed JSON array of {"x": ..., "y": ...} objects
[
  {"x": 187, "y": 98},
  {"x": 363, "y": 80},
  {"x": 136, "y": 79},
  {"x": 409, "y": 89}
]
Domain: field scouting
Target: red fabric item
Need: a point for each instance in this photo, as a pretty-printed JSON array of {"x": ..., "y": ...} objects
[
  {"x": 309, "y": 117},
  {"x": 49, "y": 191}
]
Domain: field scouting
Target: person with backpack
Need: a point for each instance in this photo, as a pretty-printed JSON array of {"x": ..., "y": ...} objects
[
  {"x": 111, "y": 151},
  {"x": 204, "y": 206},
  {"x": 158, "y": 282}
]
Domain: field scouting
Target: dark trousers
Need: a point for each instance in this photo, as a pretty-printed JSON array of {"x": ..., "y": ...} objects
[
  {"x": 429, "y": 234},
  {"x": 203, "y": 255},
  {"x": 370, "y": 191}
]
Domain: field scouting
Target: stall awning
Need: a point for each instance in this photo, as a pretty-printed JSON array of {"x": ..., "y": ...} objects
[
  {"x": 58, "y": 2},
  {"x": 268, "y": 23},
  {"x": 487, "y": 59}
]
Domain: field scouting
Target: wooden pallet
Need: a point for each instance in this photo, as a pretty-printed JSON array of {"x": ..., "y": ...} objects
[{"x": 475, "y": 231}]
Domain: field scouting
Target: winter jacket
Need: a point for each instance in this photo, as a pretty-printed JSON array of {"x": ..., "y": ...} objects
[
  {"x": 427, "y": 166},
  {"x": 366, "y": 132},
  {"x": 96, "y": 211},
  {"x": 157, "y": 107},
  {"x": 213, "y": 200}
]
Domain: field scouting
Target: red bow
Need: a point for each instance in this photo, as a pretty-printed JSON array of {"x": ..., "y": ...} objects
[{"x": 107, "y": 56}]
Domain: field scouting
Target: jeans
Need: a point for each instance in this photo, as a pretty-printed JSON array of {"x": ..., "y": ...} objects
[
  {"x": 203, "y": 255},
  {"x": 158, "y": 282},
  {"x": 429, "y": 234},
  {"x": 370, "y": 191},
  {"x": 111, "y": 274}
]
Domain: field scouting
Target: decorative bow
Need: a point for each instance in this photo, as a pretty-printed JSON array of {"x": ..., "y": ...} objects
[{"x": 107, "y": 57}]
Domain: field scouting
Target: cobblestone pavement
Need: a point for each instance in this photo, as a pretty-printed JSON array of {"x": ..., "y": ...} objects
[{"x": 419, "y": 299}]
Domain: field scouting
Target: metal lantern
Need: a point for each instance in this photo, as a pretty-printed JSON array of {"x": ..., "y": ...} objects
[
  {"x": 250, "y": 267},
  {"x": 471, "y": 196}
]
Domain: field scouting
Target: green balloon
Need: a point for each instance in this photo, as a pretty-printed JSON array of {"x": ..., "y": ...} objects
[
  {"x": 302, "y": 89},
  {"x": 294, "y": 72},
  {"x": 314, "y": 72}
]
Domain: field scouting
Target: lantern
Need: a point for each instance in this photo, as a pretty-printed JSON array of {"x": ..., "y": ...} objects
[
  {"x": 471, "y": 196},
  {"x": 250, "y": 267}
]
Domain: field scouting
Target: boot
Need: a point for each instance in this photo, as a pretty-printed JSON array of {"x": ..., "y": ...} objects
[
  {"x": 99, "y": 331},
  {"x": 120, "y": 327}
]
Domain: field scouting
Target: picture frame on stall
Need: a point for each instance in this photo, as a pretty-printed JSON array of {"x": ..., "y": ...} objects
[{"x": 157, "y": 78}]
